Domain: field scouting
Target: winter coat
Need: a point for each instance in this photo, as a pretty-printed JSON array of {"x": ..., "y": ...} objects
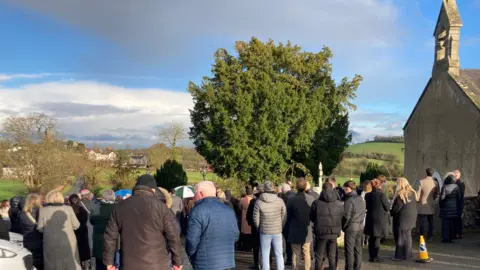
[
  {"x": 354, "y": 215},
  {"x": 286, "y": 196},
  {"x": 32, "y": 238},
  {"x": 269, "y": 214},
  {"x": 82, "y": 232},
  {"x": 177, "y": 206},
  {"x": 427, "y": 192},
  {"x": 314, "y": 194},
  {"x": 404, "y": 214},
  {"x": 251, "y": 207},
  {"x": 164, "y": 196},
  {"x": 16, "y": 206},
  {"x": 211, "y": 235},
  {"x": 99, "y": 220},
  {"x": 326, "y": 214},
  {"x": 4, "y": 234},
  {"x": 376, "y": 222},
  {"x": 58, "y": 222},
  {"x": 147, "y": 232},
  {"x": 90, "y": 206},
  {"x": 450, "y": 198},
  {"x": 244, "y": 203},
  {"x": 298, "y": 218},
  {"x": 461, "y": 186}
]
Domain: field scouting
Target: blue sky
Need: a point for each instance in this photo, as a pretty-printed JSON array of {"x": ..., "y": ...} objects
[{"x": 114, "y": 71}]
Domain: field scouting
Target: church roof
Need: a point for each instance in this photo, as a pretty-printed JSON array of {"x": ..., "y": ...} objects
[
  {"x": 452, "y": 13},
  {"x": 469, "y": 81}
]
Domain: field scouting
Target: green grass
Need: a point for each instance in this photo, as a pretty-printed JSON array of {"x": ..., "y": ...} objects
[
  {"x": 377, "y": 147},
  {"x": 10, "y": 188}
]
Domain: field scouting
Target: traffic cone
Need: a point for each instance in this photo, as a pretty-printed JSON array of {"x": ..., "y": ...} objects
[{"x": 423, "y": 255}]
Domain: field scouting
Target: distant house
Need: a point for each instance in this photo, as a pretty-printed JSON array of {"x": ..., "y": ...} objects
[
  {"x": 102, "y": 155},
  {"x": 138, "y": 161}
]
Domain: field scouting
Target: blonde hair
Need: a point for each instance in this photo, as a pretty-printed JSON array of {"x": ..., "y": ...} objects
[
  {"x": 54, "y": 196},
  {"x": 367, "y": 186},
  {"x": 221, "y": 195},
  {"x": 403, "y": 189},
  {"x": 33, "y": 201}
]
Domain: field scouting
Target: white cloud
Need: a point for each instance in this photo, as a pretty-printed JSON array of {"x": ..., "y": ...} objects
[
  {"x": 100, "y": 112},
  {"x": 153, "y": 30},
  {"x": 8, "y": 77}
]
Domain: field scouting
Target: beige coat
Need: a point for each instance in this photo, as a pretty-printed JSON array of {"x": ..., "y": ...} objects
[
  {"x": 60, "y": 250},
  {"x": 244, "y": 203},
  {"x": 427, "y": 192}
]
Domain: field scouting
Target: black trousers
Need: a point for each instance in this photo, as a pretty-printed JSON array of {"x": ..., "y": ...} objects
[
  {"x": 256, "y": 247},
  {"x": 322, "y": 246},
  {"x": 459, "y": 226},
  {"x": 448, "y": 229},
  {"x": 423, "y": 219},
  {"x": 403, "y": 243},
  {"x": 374, "y": 246},
  {"x": 353, "y": 250}
]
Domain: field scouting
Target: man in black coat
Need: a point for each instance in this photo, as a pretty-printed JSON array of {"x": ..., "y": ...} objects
[
  {"x": 326, "y": 213},
  {"x": 376, "y": 222},
  {"x": 255, "y": 233},
  {"x": 286, "y": 194},
  {"x": 16, "y": 207},
  {"x": 352, "y": 224},
  {"x": 4, "y": 235},
  {"x": 461, "y": 187}
]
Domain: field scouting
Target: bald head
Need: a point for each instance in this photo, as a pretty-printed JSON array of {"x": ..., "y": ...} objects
[
  {"x": 205, "y": 189},
  {"x": 458, "y": 174}
]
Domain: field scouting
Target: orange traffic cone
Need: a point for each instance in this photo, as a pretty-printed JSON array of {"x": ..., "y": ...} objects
[{"x": 423, "y": 255}]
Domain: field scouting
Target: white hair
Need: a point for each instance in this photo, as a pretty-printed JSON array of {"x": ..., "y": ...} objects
[
  {"x": 207, "y": 188},
  {"x": 286, "y": 188}
]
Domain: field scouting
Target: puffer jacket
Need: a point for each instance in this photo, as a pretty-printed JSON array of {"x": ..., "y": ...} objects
[
  {"x": 354, "y": 215},
  {"x": 326, "y": 214},
  {"x": 99, "y": 220},
  {"x": 269, "y": 214},
  {"x": 16, "y": 206},
  {"x": 211, "y": 235},
  {"x": 147, "y": 232},
  {"x": 450, "y": 201}
]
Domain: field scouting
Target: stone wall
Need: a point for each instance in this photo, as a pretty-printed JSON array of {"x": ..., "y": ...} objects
[{"x": 470, "y": 214}]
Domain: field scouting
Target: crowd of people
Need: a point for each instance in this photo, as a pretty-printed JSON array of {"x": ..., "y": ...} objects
[{"x": 144, "y": 231}]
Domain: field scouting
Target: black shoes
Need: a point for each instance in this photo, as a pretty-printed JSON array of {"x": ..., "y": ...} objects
[{"x": 375, "y": 260}]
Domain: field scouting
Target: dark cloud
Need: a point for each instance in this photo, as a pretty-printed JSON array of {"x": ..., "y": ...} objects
[{"x": 70, "y": 109}]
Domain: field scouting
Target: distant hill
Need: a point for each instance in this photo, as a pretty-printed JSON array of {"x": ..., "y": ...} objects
[{"x": 378, "y": 147}]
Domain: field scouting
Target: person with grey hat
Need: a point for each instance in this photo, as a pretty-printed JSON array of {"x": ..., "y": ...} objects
[
  {"x": 269, "y": 216},
  {"x": 147, "y": 231}
]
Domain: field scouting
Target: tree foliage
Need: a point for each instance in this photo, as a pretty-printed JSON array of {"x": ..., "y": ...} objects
[
  {"x": 35, "y": 156},
  {"x": 125, "y": 176},
  {"x": 262, "y": 108},
  {"x": 371, "y": 172},
  {"x": 171, "y": 175},
  {"x": 172, "y": 134},
  {"x": 329, "y": 144}
]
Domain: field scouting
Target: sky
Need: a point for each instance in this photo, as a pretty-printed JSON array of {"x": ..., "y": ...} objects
[{"x": 114, "y": 71}]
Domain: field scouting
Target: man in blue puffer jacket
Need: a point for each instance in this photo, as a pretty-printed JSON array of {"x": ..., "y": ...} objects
[{"x": 212, "y": 231}]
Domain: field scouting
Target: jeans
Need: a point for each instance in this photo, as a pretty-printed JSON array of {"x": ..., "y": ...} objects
[
  {"x": 117, "y": 259},
  {"x": 328, "y": 245},
  {"x": 353, "y": 250},
  {"x": 429, "y": 219},
  {"x": 403, "y": 243},
  {"x": 266, "y": 242},
  {"x": 256, "y": 247},
  {"x": 298, "y": 250}
]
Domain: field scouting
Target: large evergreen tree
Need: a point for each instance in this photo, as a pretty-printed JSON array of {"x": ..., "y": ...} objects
[
  {"x": 263, "y": 106},
  {"x": 171, "y": 175}
]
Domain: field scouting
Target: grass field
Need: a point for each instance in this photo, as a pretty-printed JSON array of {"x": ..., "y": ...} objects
[{"x": 378, "y": 147}]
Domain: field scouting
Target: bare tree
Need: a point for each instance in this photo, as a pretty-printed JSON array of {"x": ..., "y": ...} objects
[
  {"x": 171, "y": 135},
  {"x": 34, "y": 156}
]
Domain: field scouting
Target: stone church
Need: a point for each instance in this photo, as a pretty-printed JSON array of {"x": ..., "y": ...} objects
[{"x": 443, "y": 131}]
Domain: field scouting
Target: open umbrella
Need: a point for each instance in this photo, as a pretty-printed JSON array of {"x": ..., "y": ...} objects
[
  {"x": 185, "y": 192},
  {"x": 123, "y": 193}
]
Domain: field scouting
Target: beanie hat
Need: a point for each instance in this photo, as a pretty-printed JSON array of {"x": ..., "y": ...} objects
[
  {"x": 268, "y": 186},
  {"x": 146, "y": 180},
  {"x": 261, "y": 187}
]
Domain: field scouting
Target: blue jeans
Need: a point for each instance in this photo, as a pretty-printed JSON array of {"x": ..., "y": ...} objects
[
  {"x": 266, "y": 242},
  {"x": 117, "y": 259}
]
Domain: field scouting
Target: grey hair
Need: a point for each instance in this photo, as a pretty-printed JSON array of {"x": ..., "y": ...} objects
[
  {"x": 286, "y": 188},
  {"x": 108, "y": 195}
]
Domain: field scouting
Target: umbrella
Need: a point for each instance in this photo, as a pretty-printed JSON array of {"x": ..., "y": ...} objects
[
  {"x": 185, "y": 192},
  {"x": 123, "y": 193},
  {"x": 439, "y": 178}
]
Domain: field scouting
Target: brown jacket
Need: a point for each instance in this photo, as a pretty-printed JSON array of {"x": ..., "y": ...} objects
[
  {"x": 244, "y": 203},
  {"x": 427, "y": 192},
  {"x": 147, "y": 231}
]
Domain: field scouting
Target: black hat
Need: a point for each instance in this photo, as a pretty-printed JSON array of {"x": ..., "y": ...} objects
[{"x": 146, "y": 180}]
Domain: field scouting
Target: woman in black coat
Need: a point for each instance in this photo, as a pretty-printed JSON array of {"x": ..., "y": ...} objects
[
  {"x": 376, "y": 222},
  {"x": 32, "y": 239},
  {"x": 404, "y": 213},
  {"x": 82, "y": 232},
  {"x": 16, "y": 207},
  {"x": 449, "y": 207}
]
